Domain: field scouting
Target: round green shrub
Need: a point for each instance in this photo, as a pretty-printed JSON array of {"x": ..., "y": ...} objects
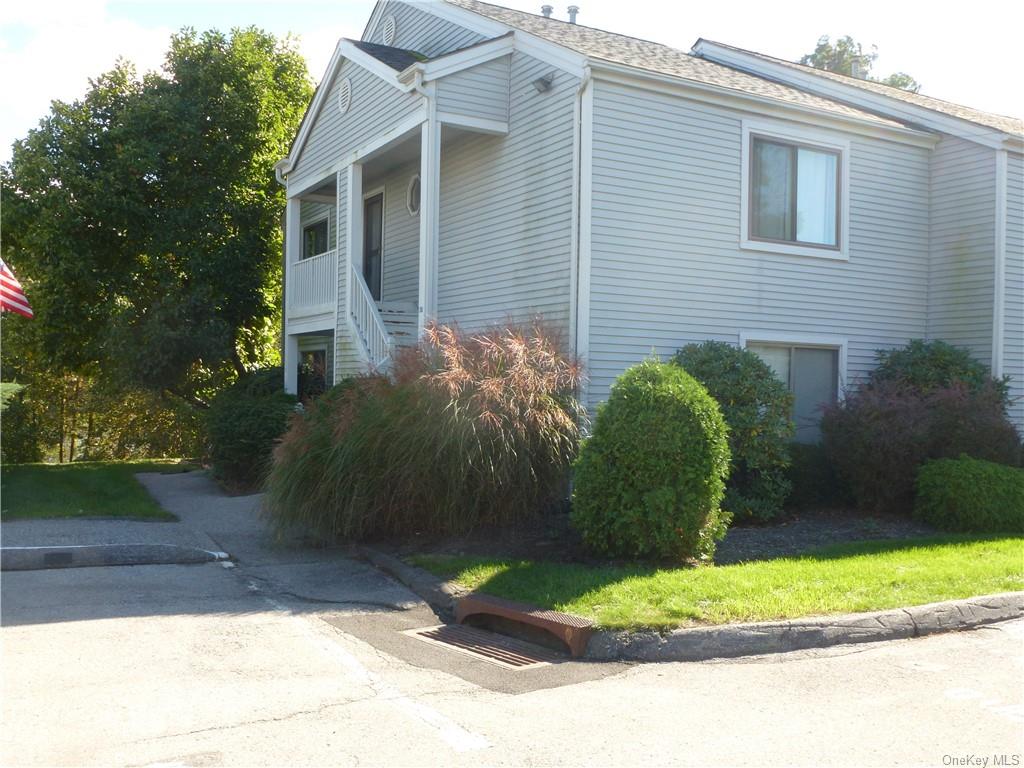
[
  {"x": 929, "y": 365},
  {"x": 242, "y": 424},
  {"x": 971, "y": 495},
  {"x": 757, "y": 406},
  {"x": 649, "y": 481}
]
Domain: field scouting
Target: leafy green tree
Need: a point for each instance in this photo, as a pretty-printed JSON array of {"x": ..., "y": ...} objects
[
  {"x": 846, "y": 56},
  {"x": 146, "y": 216}
]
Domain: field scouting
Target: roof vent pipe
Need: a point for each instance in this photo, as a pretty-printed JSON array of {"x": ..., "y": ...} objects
[
  {"x": 547, "y": 10},
  {"x": 573, "y": 10}
]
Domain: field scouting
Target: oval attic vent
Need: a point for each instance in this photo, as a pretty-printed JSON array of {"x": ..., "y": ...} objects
[
  {"x": 390, "y": 29},
  {"x": 344, "y": 95}
]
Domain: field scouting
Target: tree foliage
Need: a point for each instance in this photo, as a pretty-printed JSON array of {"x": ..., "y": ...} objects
[
  {"x": 145, "y": 217},
  {"x": 846, "y": 56}
]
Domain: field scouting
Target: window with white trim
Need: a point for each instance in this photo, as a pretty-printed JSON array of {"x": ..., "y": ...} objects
[
  {"x": 795, "y": 190},
  {"x": 412, "y": 195},
  {"x": 811, "y": 373},
  {"x": 314, "y": 239}
]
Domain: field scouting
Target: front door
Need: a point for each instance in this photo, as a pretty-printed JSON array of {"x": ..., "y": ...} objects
[{"x": 373, "y": 243}]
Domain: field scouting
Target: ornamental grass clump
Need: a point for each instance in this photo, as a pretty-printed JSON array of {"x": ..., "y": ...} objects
[
  {"x": 650, "y": 479},
  {"x": 470, "y": 429}
]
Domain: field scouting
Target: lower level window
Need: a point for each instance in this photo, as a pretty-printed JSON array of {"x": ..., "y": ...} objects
[
  {"x": 812, "y": 375},
  {"x": 312, "y": 374}
]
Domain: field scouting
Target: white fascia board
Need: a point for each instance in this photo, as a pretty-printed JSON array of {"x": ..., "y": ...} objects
[
  {"x": 860, "y": 97},
  {"x": 460, "y": 60},
  {"x": 345, "y": 51},
  {"x": 757, "y": 105},
  {"x": 353, "y": 53},
  {"x": 475, "y": 124},
  {"x": 285, "y": 165},
  {"x": 537, "y": 47},
  {"x": 374, "y": 20}
]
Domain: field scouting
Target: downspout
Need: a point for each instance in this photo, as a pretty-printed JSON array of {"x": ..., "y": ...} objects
[
  {"x": 999, "y": 284},
  {"x": 581, "y": 321}
]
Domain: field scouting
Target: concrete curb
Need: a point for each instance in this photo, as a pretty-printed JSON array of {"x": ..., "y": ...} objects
[
  {"x": 89, "y": 555},
  {"x": 751, "y": 639},
  {"x": 754, "y": 639},
  {"x": 441, "y": 595}
]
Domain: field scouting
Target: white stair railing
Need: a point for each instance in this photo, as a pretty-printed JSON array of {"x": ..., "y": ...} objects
[{"x": 367, "y": 322}]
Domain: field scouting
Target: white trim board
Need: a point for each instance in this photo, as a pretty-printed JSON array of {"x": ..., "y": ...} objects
[
  {"x": 787, "y": 132},
  {"x": 852, "y": 94},
  {"x": 999, "y": 287}
]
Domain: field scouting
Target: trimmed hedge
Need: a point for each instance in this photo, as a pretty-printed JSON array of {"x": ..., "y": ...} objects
[
  {"x": 971, "y": 495},
  {"x": 756, "y": 405},
  {"x": 242, "y": 424},
  {"x": 650, "y": 480}
]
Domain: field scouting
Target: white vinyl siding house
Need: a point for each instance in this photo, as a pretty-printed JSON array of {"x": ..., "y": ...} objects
[
  {"x": 642, "y": 198},
  {"x": 668, "y": 264}
]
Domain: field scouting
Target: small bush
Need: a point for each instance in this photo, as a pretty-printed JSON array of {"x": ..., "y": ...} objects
[
  {"x": 879, "y": 436},
  {"x": 242, "y": 424},
  {"x": 971, "y": 495},
  {"x": 650, "y": 479},
  {"x": 472, "y": 429},
  {"x": 756, "y": 406},
  {"x": 930, "y": 365}
]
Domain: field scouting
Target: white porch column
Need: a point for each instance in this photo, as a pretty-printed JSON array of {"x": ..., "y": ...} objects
[
  {"x": 354, "y": 219},
  {"x": 292, "y": 252},
  {"x": 430, "y": 211}
]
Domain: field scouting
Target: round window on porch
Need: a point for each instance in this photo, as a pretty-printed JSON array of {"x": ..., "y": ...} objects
[{"x": 412, "y": 196}]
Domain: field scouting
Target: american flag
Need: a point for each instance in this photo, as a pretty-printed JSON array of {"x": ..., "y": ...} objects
[{"x": 12, "y": 295}]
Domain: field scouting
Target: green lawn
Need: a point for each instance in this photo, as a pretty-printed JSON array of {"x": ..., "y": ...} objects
[
  {"x": 86, "y": 489},
  {"x": 864, "y": 576}
]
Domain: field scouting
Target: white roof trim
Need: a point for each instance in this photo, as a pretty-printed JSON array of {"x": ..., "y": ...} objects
[
  {"x": 457, "y": 61},
  {"x": 757, "y": 105},
  {"x": 346, "y": 50},
  {"x": 886, "y": 105}
]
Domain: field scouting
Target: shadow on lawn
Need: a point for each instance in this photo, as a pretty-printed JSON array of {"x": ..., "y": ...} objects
[{"x": 547, "y": 583}]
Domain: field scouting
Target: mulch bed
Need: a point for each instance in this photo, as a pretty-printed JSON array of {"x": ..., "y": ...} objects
[{"x": 553, "y": 538}]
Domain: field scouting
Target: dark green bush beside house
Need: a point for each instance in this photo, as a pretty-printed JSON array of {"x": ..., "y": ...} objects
[
  {"x": 971, "y": 495},
  {"x": 243, "y": 422},
  {"x": 650, "y": 480},
  {"x": 757, "y": 406},
  {"x": 925, "y": 366}
]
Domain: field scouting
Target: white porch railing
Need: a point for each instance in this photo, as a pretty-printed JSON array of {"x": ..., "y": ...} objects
[
  {"x": 367, "y": 322},
  {"x": 313, "y": 284}
]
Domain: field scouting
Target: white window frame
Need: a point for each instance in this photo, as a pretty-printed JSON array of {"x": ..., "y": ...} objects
[
  {"x": 812, "y": 340},
  {"x": 408, "y": 195},
  {"x": 785, "y": 132},
  {"x": 312, "y": 223},
  {"x": 382, "y": 191}
]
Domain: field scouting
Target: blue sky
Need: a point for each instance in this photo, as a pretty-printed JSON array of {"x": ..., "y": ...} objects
[{"x": 50, "y": 48}]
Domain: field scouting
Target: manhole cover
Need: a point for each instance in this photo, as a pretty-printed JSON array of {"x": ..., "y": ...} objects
[{"x": 504, "y": 651}]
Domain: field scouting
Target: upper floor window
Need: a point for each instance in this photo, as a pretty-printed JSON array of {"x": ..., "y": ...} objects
[
  {"x": 794, "y": 196},
  {"x": 314, "y": 239}
]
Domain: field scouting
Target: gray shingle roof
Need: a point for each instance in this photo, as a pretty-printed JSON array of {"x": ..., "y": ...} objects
[
  {"x": 655, "y": 57},
  {"x": 1005, "y": 123},
  {"x": 396, "y": 58}
]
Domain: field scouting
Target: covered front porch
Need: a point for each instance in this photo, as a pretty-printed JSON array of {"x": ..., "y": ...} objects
[{"x": 361, "y": 257}]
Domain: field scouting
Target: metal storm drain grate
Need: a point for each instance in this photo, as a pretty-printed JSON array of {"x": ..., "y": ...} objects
[{"x": 504, "y": 651}]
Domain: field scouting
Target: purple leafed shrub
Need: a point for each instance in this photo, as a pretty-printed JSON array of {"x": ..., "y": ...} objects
[{"x": 878, "y": 436}]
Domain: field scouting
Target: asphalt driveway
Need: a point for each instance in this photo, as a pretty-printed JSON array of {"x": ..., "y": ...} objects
[{"x": 295, "y": 656}]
